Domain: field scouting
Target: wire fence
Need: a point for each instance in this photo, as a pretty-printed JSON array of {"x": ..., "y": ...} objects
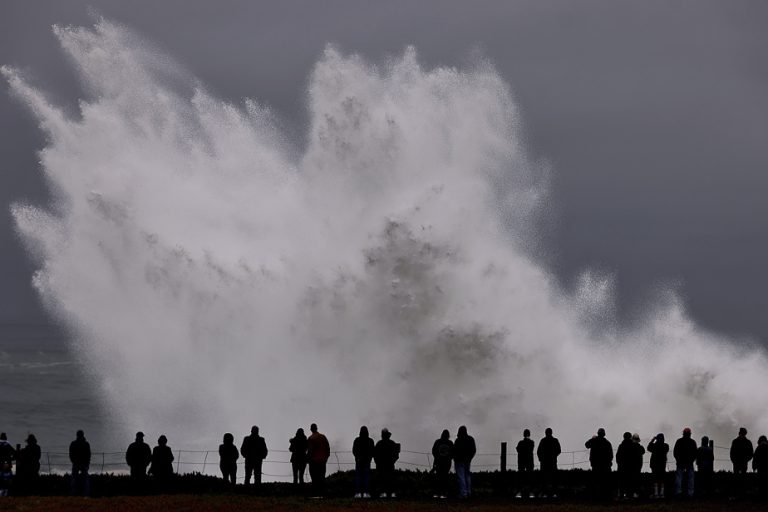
[{"x": 277, "y": 467}]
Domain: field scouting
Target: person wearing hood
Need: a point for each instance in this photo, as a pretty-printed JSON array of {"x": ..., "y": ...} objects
[
  {"x": 228, "y": 456},
  {"x": 297, "y": 445},
  {"x": 442, "y": 456},
  {"x": 362, "y": 450},
  {"x": 464, "y": 451},
  {"x": 658, "y": 450},
  {"x": 161, "y": 466}
]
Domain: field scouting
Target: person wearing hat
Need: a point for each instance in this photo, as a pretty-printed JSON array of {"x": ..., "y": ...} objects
[
  {"x": 685, "y": 454},
  {"x": 385, "y": 453},
  {"x": 741, "y": 453},
  {"x": 658, "y": 450},
  {"x": 138, "y": 456}
]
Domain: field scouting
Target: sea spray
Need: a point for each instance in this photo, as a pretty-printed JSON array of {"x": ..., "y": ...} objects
[{"x": 215, "y": 275}]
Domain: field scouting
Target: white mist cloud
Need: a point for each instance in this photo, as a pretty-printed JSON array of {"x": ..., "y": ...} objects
[{"x": 216, "y": 280}]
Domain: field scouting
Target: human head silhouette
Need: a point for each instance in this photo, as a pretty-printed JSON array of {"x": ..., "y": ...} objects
[
  {"x": 627, "y": 436},
  {"x": 299, "y": 432},
  {"x": 742, "y": 432},
  {"x": 80, "y": 434},
  {"x": 462, "y": 431},
  {"x": 385, "y": 433},
  {"x": 313, "y": 427},
  {"x": 526, "y": 433},
  {"x": 254, "y": 430},
  {"x": 601, "y": 432},
  {"x": 445, "y": 435},
  {"x": 139, "y": 436},
  {"x": 548, "y": 432},
  {"x": 687, "y": 432},
  {"x": 229, "y": 438},
  {"x": 162, "y": 440},
  {"x": 364, "y": 431}
]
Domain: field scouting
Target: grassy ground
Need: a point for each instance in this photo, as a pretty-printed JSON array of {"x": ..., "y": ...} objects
[{"x": 235, "y": 503}]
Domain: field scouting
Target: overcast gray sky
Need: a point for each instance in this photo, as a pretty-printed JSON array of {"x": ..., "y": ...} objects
[{"x": 653, "y": 114}]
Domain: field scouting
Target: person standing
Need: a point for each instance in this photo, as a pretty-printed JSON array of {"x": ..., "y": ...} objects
[
  {"x": 659, "y": 450},
  {"x": 741, "y": 453},
  {"x": 636, "y": 465},
  {"x": 28, "y": 465},
  {"x": 7, "y": 456},
  {"x": 386, "y": 453},
  {"x": 601, "y": 461},
  {"x": 705, "y": 463},
  {"x": 548, "y": 452},
  {"x": 623, "y": 459},
  {"x": 318, "y": 452},
  {"x": 685, "y": 454},
  {"x": 138, "y": 456},
  {"x": 80, "y": 457},
  {"x": 760, "y": 466},
  {"x": 525, "y": 463},
  {"x": 298, "y": 448},
  {"x": 254, "y": 451},
  {"x": 161, "y": 466},
  {"x": 464, "y": 451},
  {"x": 442, "y": 457},
  {"x": 228, "y": 456},
  {"x": 363, "y": 450}
]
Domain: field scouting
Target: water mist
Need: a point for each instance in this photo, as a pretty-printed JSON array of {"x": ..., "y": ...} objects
[{"x": 215, "y": 275}]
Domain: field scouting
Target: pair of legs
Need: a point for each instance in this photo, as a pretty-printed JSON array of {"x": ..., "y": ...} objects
[
  {"x": 465, "y": 478},
  {"x": 253, "y": 467},
  {"x": 229, "y": 472},
  {"x": 684, "y": 473},
  {"x": 362, "y": 478},
  {"x": 317, "y": 474},
  {"x": 81, "y": 481},
  {"x": 298, "y": 471},
  {"x": 385, "y": 476}
]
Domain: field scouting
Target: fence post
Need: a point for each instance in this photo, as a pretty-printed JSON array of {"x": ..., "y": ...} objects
[
  {"x": 178, "y": 462},
  {"x": 102, "y": 461},
  {"x": 338, "y": 464},
  {"x": 503, "y": 456},
  {"x": 48, "y": 457},
  {"x": 205, "y": 460}
]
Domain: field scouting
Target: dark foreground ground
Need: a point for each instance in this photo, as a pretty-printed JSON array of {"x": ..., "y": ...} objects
[{"x": 235, "y": 503}]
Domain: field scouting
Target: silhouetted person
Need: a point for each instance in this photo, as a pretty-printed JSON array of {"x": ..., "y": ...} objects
[
  {"x": 760, "y": 465},
  {"x": 705, "y": 462},
  {"x": 254, "y": 451},
  {"x": 318, "y": 451},
  {"x": 629, "y": 462},
  {"x": 685, "y": 454},
  {"x": 298, "y": 448},
  {"x": 548, "y": 452},
  {"x": 7, "y": 456},
  {"x": 525, "y": 463},
  {"x": 362, "y": 450},
  {"x": 80, "y": 457},
  {"x": 741, "y": 453},
  {"x": 659, "y": 450},
  {"x": 28, "y": 464},
  {"x": 442, "y": 456},
  {"x": 601, "y": 461},
  {"x": 228, "y": 456},
  {"x": 161, "y": 466},
  {"x": 138, "y": 456},
  {"x": 386, "y": 453},
  {"x": 464, "y": 451}
]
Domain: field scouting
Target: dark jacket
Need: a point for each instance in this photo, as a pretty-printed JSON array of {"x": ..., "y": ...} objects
[
  {"x": 363, "y": 449},
  {"x": 741, "y": 451},
  {"x": 298, "y": 449},
  {"x": 318, "y": 448},
  {"x": 228, "y": 455},
  {"x": 760, "y": 460},
  {"x": 659, "y": 453},
  {"x": 29, "y": 460},
  {"x": 254, "y": 448},
  {"x": 386, "y": 454},
  {"x": 80, "y": 453},
  {"x": 629, "y": 456},
  {"x": 685, "y": 452},
  {"x": 525, "y": 453},
  {"x": 138, "y": 455},
  {"x": 600, "y": 453},
  {"x": 162, "y": 461},
  {"x": 705, "y": 459},
  {"x": 547, "y": 452},
  {"x": 7, "y": 453},
  {"x": 442, "y": 453},
  {"x": 464, "y": 449}
]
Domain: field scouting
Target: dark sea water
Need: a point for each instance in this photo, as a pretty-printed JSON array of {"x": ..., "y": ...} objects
[{"x": 45, "y": 390}]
